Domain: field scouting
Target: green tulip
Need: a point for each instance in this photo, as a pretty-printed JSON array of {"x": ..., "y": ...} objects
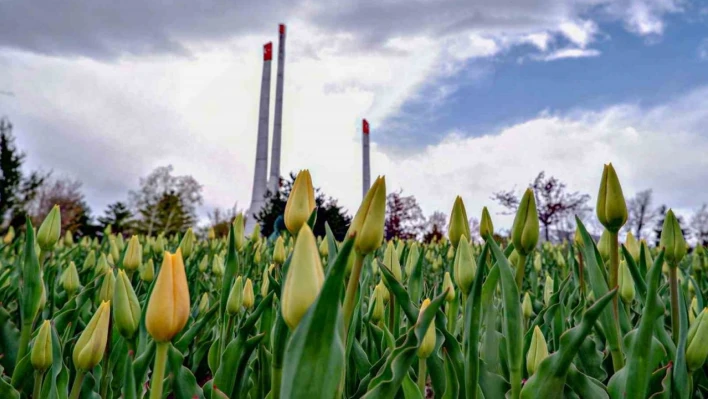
[
  {"x": 672, "y": 240},
  {"x": 126, "y": 308},
  {"x": 459, "y": 223},
  {"x": 50, "y": 230},
  {"x": 611, "y": 206},
  {"x": 524, "y": 232}
]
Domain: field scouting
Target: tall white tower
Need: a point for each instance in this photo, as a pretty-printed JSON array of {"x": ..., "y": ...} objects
[
  {"x": 261, "y": 170},
  {"x": 366, "y": 168},
  {"x": 274, "y": 179}
]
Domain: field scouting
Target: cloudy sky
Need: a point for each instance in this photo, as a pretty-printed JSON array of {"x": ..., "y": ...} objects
[{"x": 464, "y": 97}]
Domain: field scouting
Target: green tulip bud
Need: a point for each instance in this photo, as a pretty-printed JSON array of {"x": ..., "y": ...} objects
[
  {"x": 41, "y": 356},
  {"x": 412, "y": 260},
  {"x": 465, "y": 267},
  {"x": 265, "y": 283},
  {"x": 158, "y": 246},
  {"x": 50, "y": 230},
  {"x": 626, "y": 284},
  {"x": 187, "y": 243},
  {"x": 70, "y": 279},
  {"x": 427, "y": 344},
  {"x": 203, "y": 264},
  {"x": 90, "y": 260},
  {"x": 147, "y": 273},
  {"x": 672, "y": 240},
  {"x": 114, "y": 250},
  {"x": 526, "y": 306},
  {"x": 548, "y": 289},
  {"x": 120, "y": 243},
  {"x": 538, "y": 351},
  {"x": 126, "y": 308},
  {"x": 304, "y": 280},
  {"x": 459, "y": 223},
  {"x": 107, "y": 287},
  {"x": 256, "y": 234},
  {"x": 524, "y": 233},
  {"x": 392, "y": 263},
  {"x": 537, "y": 263},
  {"x": 486, "y": 227},
  {"x": 91, "y": 344},
  {"x": 133, "y": 255},
  {"x": 578, "y": 238},
  {"x": 377, "y": 301},
  {"x": 514, "y": 258},
  {"x": 203, "y": 303},
  {"x": 611, "y": 207},
  {"x": 217, "y": 266},
  {"x": 239, "y": 234},
  {"x": 632, "y": 246},
  {"x": 68, "y": 239},
  {"x": 447, "y": 285},
  {"x": 400, "y": 246},
  {"x": 9, "y": 236},
  {"x": 697, "y": 342},
  {"x": 249, "y": 299},
  {"x": 693, "y": 311},
  {"x": 235, "y": 301},
  {"x": 279, "y": 250},
  {"x": 324, "y": 249},
  {"x": 604, "y": 245},
  {"x": 368, "y": 223}
]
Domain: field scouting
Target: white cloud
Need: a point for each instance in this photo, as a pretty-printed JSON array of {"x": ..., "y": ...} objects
[
  {"x": 580, "y": 33},
  {"x": 569, "y": 53}
]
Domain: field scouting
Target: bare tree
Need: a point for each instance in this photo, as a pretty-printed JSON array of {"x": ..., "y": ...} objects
[
  {"x": 66, "y": 193},
  {"x": 404, "y": 218},
  {"x": 166, "y": 202},
  {"x": 640, "y": 214},
  {"x": 474, "y": 230},
  {"x": 553, "y": 202},
  {"x": 436, "y": 226},
  {"x": 699, "y": 224}
]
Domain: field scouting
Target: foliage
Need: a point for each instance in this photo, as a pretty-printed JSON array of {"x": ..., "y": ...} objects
[
  {"x": 404, "y": 218},
  {"x": 119, "y": 216}
]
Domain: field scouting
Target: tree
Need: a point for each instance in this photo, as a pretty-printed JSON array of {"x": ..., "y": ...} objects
[
  {"x": 404, "y": 218},
  {"x": 16, "y": 190},
  {"x": 436, "y": 227},
  {"x": 166, "y": 203},
  {"x": 221, "y": 219},
  {"x": 555, "y": 205},
  {"x": 640, "y": 214},
  {"x": 328, "y": 211},
  {"x": 699, "y": 224},
  {"x": 65, "y": 192},
  {"x": 119, "y": 216}
]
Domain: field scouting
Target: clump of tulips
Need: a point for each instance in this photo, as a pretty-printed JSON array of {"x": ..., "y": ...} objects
[{"x": 300, "y": 316}]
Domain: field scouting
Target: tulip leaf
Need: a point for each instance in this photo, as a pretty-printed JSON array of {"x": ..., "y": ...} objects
[
  {"x": 410, "y": 389},
  {"x": 188, "y": 336},
  {"x": 56, "y": 380},
  {"x": 9, "y": 340},
  {"x": 415, "y": 281},
  {"x": 7, "y": 391},
  {"x": 184, "y": 384},
  {"x": 585, "y": 386},
  {"x": 403, "y": 300},
  {"x": 661, "y": 386},
  {"x": 317, "y": 345},
  {"x": 473, "y": 323},
  {"x": 680, "y": 378},
  {"x": 128, "y": 388},
  {"x": 232, "y": 261}
]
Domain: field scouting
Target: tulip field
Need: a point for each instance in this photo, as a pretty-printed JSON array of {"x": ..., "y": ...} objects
[{"x": 299, "y": 316}]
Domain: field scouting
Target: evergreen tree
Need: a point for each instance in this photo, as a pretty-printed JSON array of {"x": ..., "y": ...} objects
[{"x": 119, "y": 216}]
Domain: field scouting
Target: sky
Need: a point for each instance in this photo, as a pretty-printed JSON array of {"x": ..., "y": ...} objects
[{"x": 464, "y": 98}]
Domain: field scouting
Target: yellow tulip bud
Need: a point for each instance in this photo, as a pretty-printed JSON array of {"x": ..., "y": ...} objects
[
  {"x": 42, "y": 356},
  {"x": 239, "y": 234},
  {"x": 578, "y": 238},
  {"x": 107, "y": 287},
  {"x": 304, "y": 280},
  {"x": 158, "y": 245},
  {"x": 168, "y": 306},
  {"x": 114, "y": 251},
  {"x": 235, "y": 301},
  {"x": 697, "y": 342},
  {"x": 301, "y": 202},
  {"x": 265, "y": 284},
  {"x": 187, "y": 243},
  {"x": 147, "y": 273},
  {"x": 465, "y": 266},
  {"x": 211, "y": 234},
  {"x": 279, "y": 251},
  {"x": 459, "y": 223},
  {"x": 626, "y": 283},
  {"x": 632, "y": 246},
  {"x": 50, "y": 230},
  {"x": 70, "y": 279},
  {"x": 672, "y": 240},
  {"x": 217, "y": 266},
  {"x": 133, "y": 255},
  {"x": 68, "y": 239},
  {"x": 537, "y": 263},
  {"x": 485, "y": 225},
  {"x": 392, "y": 263},
  {"x": 120, "y": 244},
  {"x": 447, "y": 285},
  {"x": 538, "y": 351},
  {"x": 91, "y": 344},
  {"x": 450, "y": 253},
  {"x": 548, "y": 290},
  {"x": 249, "y": 299},
  {"x": 368, "y": 223},
  {"x": 90, "y": 260},
  {"x": 400, "y": 246},
  {"x": 603, "y": 246},
  {"x": 611, "y": 206},
  {"x": 527, "y": 306},
  {"x": 412, "y": 260},
  {"x": 427, "y": 345},
  {"x": 256, "y": 235},
  {"x": 126, "y": 308},
  {"x": 324, "y": 249},
  {"x": 9, "y": 236},
  {"x": 524, "y": 232},
  {"x": 203, "y": 264},
  {"x": 377, "y": 301},
  {"x": 203, "y": 303}
]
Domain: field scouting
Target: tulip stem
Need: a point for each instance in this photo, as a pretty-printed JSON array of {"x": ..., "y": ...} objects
[
  {"x": 581, "y": 272},
  {"x": 352, "y": 287},
  {"x": 520, "y": 269},
  {"x": 422, "y": 371},
  {"x": 25, "y": 336},
  {"x": 614, "y": 270},
  {"x": 76, "y": 388},
  {"x": 38, "y": 375},
  {"x": 158, "y": 375},
  {"x": 673, "y": 285},
  {"x": 392, "y": 314}
]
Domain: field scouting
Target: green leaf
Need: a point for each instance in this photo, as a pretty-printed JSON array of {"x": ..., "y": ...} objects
[
  {"x": 316, "y": 348},
  {"x": 473, "y": 323},
  {"x": 680, "y": 378},
  {"x": 415, "y": 281},
  {"x": 410, "y": 389},
  {"x": 9, "y": 340},
  {"x": 184, "y": 384}
]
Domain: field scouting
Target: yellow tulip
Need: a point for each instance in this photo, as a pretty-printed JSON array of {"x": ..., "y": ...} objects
[
  {"x": 301, "y": 202},
  {"x": 90, "y": 346},
  {"x": 368, "y": 223},
  {"x": 304, "y": 279},
  {"x": 168, "y": 307}
]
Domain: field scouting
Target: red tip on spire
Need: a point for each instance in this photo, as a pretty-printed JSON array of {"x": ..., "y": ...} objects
[
  {"x": 281, "y": 28},
  {"x": 365, "y": 126},
  {"x": 268, "y": 51}
]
